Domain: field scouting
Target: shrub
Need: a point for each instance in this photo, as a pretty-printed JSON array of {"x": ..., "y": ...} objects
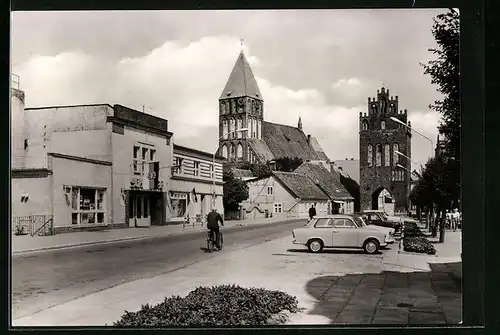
[
  {"x": 411, "y": 229},
  {"x": 226, "y": 305},
  {"x": 418, "y": 244}
]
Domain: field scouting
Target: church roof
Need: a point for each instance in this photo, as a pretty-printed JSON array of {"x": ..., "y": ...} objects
[
  {"x": 300, "y": 186},
  {"x": 287, "y": 141},
  {"x": 241, "y": 82},
  {"x": 328, "y": 181},
  {"x": 260, "y": 149},
  {"x": 240, "y": 173},
  {"x": 313, "y": 141}
]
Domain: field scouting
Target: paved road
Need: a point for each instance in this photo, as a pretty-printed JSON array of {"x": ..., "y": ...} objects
[{"x": 48, "y": 278}]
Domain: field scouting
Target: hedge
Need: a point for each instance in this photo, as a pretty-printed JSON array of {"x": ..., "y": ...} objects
[
  {"x": 418, "y": 244},
  {"x": 225, "y": 305}
]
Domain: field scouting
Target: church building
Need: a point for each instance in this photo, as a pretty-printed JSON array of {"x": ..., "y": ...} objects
[{"x": 241, "y": 106}]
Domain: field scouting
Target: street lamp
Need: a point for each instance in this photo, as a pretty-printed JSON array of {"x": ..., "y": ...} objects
[
  {"x": 402, "y": 167},
  {"x": 240, "y": 130},
  {"x": 395, "y": 119}
]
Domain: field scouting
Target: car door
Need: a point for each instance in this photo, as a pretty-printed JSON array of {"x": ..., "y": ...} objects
[
  {"x": 323, "y": 229},
  {"x": 345, "y": 233}
]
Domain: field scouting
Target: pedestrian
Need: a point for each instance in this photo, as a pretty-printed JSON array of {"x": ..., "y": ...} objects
[
  {"x": 448, "y": 219},
  {"x": 213, "y": 219},
  {"x": 455, "y": 219},
  {"x": 312, "y": 212}
]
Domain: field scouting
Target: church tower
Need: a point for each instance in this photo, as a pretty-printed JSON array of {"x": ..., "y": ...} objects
[
  {"x": 240, "y": 106},
  {"x": 384, "y": 174}
]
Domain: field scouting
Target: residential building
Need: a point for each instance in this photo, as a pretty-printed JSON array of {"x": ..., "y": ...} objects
[
  {"x": 241, "y": 105},
  {"x": 284, "y": 194},
  {"x": 381, "y": 168},
  {"x": 348, "y": 167},
  {"x": 90, "y": 167},
  {"x": 196, "y": 185},
  {"x": 340, "y": 200}
]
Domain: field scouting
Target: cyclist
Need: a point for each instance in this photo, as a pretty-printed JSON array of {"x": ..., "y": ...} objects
[{"x": 213, "y": 219}]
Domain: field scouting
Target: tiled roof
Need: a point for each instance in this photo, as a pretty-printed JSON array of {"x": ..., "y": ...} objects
[
  {"x": 348, "y": 168},
  {"x": 287, "y": 141},
  {"x": 240, "y": 173},
  {"x": 329, "y": 182},
  {"x": 260, "y": 149},
  {"x": 313, "y": 141},
  {"x": 241, "y": 82},
  {"x": 300, "y": 186}
]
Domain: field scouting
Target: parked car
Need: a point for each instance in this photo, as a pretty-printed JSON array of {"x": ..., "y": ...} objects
[
  {"x": 379, "y": 218},
  {"x": 390, "y": 231},
  {"x": 339, "y": 231}
]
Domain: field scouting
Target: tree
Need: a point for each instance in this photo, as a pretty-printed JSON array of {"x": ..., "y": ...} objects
[
  {"x": 258, "y": 170},
  {"x": 444, "y": 72},
  {"x": 235, "y": 191}
]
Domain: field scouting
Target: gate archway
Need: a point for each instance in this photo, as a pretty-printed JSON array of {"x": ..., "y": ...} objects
[{"x": 382, "y": 199}]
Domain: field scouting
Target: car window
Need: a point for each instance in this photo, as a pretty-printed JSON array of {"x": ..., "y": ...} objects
[
  {"x": 374, "y": 217},
  {"x": 349, "y": 224},
  {"x": 338, "y": 223},
  {"x": 359, "y": 221},
  {"x": 323, "y": 223}
]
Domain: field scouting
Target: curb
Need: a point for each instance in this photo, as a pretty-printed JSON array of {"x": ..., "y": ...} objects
[{"x": 142, "y": 237}]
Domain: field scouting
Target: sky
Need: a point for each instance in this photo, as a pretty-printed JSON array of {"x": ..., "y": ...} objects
[{"x": 321, "y": 65}]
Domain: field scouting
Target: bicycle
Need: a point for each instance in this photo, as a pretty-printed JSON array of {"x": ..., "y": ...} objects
[{"x": 211, "y": 242}]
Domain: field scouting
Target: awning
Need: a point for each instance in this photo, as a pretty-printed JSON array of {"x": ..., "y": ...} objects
[{"x": 338, "y": 202}]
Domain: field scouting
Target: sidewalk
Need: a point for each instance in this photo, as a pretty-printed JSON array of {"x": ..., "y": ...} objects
[
  {"x": 27, "y": 243},
  {"x": 332, "y": 287}
]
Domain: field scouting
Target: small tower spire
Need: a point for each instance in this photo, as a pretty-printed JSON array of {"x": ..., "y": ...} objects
[{"x": 299, "y": 125}]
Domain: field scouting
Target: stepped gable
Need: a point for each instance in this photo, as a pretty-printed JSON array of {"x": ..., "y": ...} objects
[
  {"x": 328, "y": 181},
  {"x": 300, "y": 186}
]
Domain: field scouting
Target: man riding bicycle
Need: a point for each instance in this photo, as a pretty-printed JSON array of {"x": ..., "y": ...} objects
[{"x": 213, "y": 219}]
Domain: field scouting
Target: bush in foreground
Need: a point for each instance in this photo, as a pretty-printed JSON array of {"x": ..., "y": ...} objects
[
  {"x": 418, "y": 244},
  {"x": 412, "y": 230},
  {"x": 225, "y": 305}
]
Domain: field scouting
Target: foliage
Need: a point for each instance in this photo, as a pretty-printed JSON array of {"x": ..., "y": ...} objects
[
  {"x": 418, "y": 244},
  {"x": 258, "y": 170},
  {"x": 225, "y": 305},
  {"x": 411, "y": 230},
  {"x": 438, "y": 184},
  {"x": 235, "y": 191},
  {"x": 288, "y": 164},
  {"x": 444, "y": 72}
]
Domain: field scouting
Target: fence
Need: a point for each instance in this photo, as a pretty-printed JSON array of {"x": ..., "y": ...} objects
[{"x": 37, "y": 224}]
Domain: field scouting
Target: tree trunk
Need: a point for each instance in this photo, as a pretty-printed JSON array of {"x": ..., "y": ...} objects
[{"x": 442, "y": 226}]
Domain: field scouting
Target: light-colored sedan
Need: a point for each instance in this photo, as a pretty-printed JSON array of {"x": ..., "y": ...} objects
[
  {"x": 389, "y": 231},
  {"x": 339, "y": 231}
]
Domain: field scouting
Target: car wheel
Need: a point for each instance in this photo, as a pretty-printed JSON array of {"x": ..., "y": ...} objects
[
  {"x": 315, "y": 246},
  {"x": 371, "y": 246}
]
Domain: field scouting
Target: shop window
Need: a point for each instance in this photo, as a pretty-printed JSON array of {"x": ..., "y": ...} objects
[{"x": 87, "y": 205}]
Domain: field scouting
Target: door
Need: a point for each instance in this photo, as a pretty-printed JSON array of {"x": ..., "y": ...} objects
[
  {"x": 143, "y": 211},
  {"x": 345, "y": 233},
  {"x": 139, "y": 211}
]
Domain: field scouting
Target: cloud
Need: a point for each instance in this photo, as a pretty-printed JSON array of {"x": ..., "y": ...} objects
[{"x": 178, "y": 70}]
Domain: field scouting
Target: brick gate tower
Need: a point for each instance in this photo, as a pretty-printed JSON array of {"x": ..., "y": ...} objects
[{"x": 384, "y": 175}]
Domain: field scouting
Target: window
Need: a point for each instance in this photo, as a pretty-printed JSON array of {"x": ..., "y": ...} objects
[
  {"x": 387, "y": 156},
  {"x": 233, "y": 154},
  {"x": 382, "y": 125},
  {"x": 270, "y": 190},
  {"x": 152, "y": 155},
  {"x": 278, "y": 208},
  {"x": 379, "y": 155},
  {"x": 370, "y": 155},
  {"x": 224, "y": 129},
  {"x": 240, "y": 125},
  {"x": 365, "y": 125},
  {"x": 196, "y": 169},
  {"x": 323, "y": 223},
  {"x": 178, "y": 164},
  {"x": 224, "y": 151},
  {"x": 87, "y": 205},
  {"x": 239, "y": 151},
  {"x": 338, "y": 223},
  {"x": 136, "y": 160},
  {"x": 395, "y": 157}
]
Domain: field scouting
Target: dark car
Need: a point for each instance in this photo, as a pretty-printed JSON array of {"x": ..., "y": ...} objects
[{"x": 378, "y": 219}]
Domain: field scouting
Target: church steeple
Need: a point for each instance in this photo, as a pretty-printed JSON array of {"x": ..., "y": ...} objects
[
  {"x": 241, "y": 82},
  {"x": 299, "y": 125},
  {"x": 240, "y": 106}
]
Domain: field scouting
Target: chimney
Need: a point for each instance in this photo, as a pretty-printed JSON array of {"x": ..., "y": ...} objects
[{"x": 308, "y": 139}]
